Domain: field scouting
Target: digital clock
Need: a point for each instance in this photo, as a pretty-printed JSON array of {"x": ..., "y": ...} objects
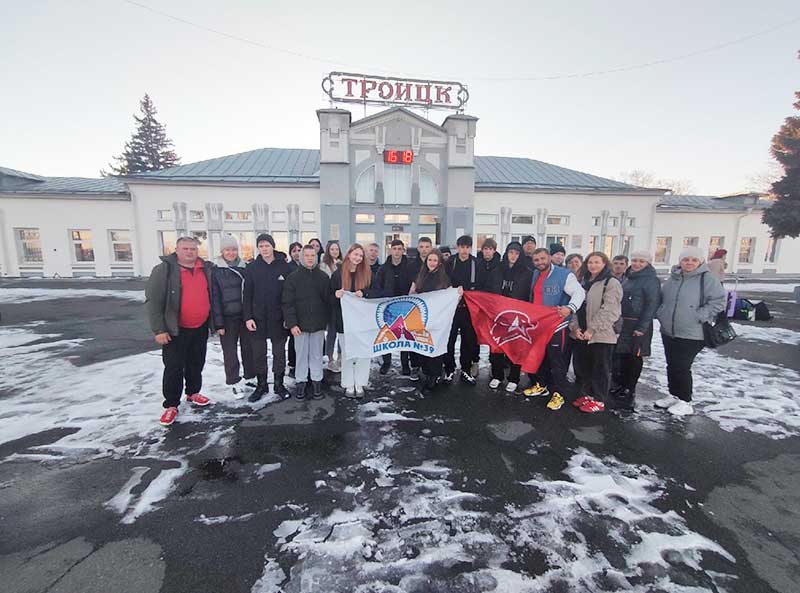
[{"x": 398, "y": 157}]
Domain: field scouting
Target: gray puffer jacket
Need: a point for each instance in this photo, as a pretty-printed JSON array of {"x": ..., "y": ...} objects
[{"x": 681, "y": 314}]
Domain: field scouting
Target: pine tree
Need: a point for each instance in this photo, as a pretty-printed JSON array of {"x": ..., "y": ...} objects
[
  {"x": 783, "y": 217},
  {"x": 149, "y": 149}
]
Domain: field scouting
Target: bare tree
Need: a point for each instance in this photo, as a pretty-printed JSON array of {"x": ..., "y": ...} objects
[
  {"x": 762, "y": 181},
  {"x": 642, "y": 178}
]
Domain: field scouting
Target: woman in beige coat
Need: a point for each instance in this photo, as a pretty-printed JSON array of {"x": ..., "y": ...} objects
[{"x": 594, "y": 329}]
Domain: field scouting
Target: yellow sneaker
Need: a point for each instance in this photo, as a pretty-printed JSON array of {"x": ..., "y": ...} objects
[
  {"x": 556, "y": 401},
  {"x": 535, "y": 390}
]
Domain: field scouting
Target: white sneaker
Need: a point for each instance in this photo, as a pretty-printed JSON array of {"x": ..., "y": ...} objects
[
  {"x": 350, "y": 392},
  {"x": 334, "y": 366},
  {"x": 511, "y": 387},
  {"x": 359, "y": 392},
  {"x": 494, "y": 383},
  {"x": 681, "y": 408},
  {"x": 325, "y": 359},
  {"x": 474, "y": 369},
  {"x": 238, "y": 392},
  {"x": 665, "y": 402}
]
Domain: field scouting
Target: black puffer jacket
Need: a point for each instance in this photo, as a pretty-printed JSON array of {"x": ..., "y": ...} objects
[
  {"x": 394, "y": 280},
  {"x": 263, "y": 295},
  {"x": 516, "y": 279},
  {"x": 226, "y": 291},
  {"x": 641, "y": 296},
  {"x": 306, "y": 299},
  {"x": 336, "y": 284},
  {"x": 490, "y": 276}
]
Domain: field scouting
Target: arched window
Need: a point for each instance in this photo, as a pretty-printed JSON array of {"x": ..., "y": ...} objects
[
  {"x": 365, "y": 186},
  {"x": 397, "y": 184},
  {"x": 428, "y": 192}
]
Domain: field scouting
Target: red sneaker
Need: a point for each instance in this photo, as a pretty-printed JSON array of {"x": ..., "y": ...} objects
[
  {"x": 168, "y": 417},
  {"x": 198, "y": 399},
  {"x": 584, "y": 399},
  {"x": 592, "y": 406}
]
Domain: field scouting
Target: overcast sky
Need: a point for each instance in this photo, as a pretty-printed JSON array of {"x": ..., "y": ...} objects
[{"x": 74, "y": 71}]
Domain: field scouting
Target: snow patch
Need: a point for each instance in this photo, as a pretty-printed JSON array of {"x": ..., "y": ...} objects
[
  {"x": 774, "y": 335},
  {"x": 32, "y": 295},
  {"x": 760, "y": 287}
]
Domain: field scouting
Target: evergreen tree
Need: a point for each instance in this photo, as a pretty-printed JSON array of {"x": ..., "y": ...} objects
[
  {"x": 783, "y": 217},
  {"x": 149, "y": 149}
]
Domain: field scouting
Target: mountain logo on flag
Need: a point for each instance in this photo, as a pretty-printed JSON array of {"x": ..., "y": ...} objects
[
  {"x": 512, "y": 325},
  {"x": 403, "y": 319}
]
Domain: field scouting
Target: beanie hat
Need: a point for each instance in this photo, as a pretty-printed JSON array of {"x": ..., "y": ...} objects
[
  {"x": 445, "y": 249},
  {"x": 229, "y": 242},
  {"x": 642, "y": 255},
  {"x": 692, "y": 251},
  {"x": 528, "y": 238},
  {"x": 516, "y": 245},
  {"x": 557, "y": 248},
  {"x": 265, "y": 237}
]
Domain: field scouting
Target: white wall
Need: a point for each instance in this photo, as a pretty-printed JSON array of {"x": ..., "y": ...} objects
[
  {"x": 55, "y": 218},
  {"x": 148, "y": 199}
]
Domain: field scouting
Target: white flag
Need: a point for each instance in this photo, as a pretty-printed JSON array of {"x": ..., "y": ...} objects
[{"x": 416, "y": 323}]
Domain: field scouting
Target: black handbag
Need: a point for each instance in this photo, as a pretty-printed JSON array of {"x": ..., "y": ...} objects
[{"x": 721, "y": 331}]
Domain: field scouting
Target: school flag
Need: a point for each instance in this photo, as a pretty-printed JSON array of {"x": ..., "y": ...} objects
[
  {"x": 518, "y": 329},
  {"x": 416, "y": 323}
]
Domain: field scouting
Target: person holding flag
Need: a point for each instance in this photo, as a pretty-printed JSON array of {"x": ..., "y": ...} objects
[
  {"x": 463, "y": 272},
  {"x": 553, "y": 286}
]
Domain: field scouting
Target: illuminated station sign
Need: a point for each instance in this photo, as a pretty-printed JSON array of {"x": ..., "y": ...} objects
[{"x": 344, "y": 87}]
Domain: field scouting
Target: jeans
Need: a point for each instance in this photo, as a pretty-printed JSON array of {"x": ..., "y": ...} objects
[
  {"x": 499, "y": 364},
  {"x": 184, "y": 357},
  {"x": 592, "y": 364},
  {"x": 355, "y": 371},
  {"x": 553, "y": 370},
  {"x": 680, "y": 354},
  {"x": 236, "y": 334},
  {"x": 308, "y": 347},
  {"x": 627, "y": 370}
]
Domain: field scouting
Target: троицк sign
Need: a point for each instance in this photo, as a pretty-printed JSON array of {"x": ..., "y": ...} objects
[{"x": 346, "y": 87}]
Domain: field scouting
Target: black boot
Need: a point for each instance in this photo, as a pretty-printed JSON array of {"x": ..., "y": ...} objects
[
  {"x": 300, "y": 390},
  {"x": 262, "y": 388},
  {"x": 279, "y": 388},
  {"x": 317, "y": 386},
  {"x": 623, "y": 399},
  {"x": 430, "y": 384}
]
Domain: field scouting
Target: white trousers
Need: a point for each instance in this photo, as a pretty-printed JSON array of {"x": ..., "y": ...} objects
[
  {"x": 308, "y": 347},
  {"x": 355, "y": 371}
]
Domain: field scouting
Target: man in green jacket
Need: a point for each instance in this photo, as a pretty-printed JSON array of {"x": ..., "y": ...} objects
[
  {"x": 306, "y": 311},
  {"x": 178, "y": 300}
]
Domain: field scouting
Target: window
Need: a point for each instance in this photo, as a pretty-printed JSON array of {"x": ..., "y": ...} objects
[
  {"x": 196, "y": 216},
  {"x": 428, "y": 219},
  {"x": 428, "y": 192},
  {"x": 715, "y": 243},
  {"x": 238, "y": 215},
  {"x": 550, "y": 239},
  {"x": 613, "y": 221},
  {"x": 82, "y": 250},
  {"x": 663, "y": 248},
  {"x": 746, "y": 248},
  {"x": 517, "y": 238},
  {"x": 365, "y": 238},
  {"x": 281, "y": 241},
  {"x": 202, "y": 239},
  {"x": 608, "y": 248},
  {"x": 562, "y": 220},
  {"x": 577, "y": 241},
  {"x": 396, "y": 218},
  {"x": 521, "y": 219},
  {"x": 246, "y": 244},
  {"x": 594, "y": 241},
  {"x": 486, "y": 219},
  {"x": 121, "y": 248},
  {"x": 306, "y": 236},
  {"x": 29, "y": 246},
  {"x": 595, "y": 221},
  {"x": 363, "y": 218},
  {"x": 164, "y": 214},
  {"x": 772, "y": 250},
  {"x": 279, "y": 216},
  {"x": 309, "y": 216},
  {"x": 631, "y": 223},
  {"x": 691, "y": 241},
  {"x": 481, "y": 238},
  {"x": 397, "y": 185},
  {"x": 166, "y": 240},
  {"x": 365, "y": 187}
]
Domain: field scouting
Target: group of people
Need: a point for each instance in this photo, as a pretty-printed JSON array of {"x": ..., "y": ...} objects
[{"x": 607, "y": 309}]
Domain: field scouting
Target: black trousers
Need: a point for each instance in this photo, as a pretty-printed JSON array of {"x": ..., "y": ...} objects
[
  {"x": 184, "y": 357},
  {"x": 405, "y": 358},
  {"x": 592, "y": 363},
  {"x": 462, "y": 324},
  {"x": 292, "y": 352},
  {"x": 627, "y": 368},
  {"x": 417, "y": 360},
  {"x": 680, "y": 354},
  {"x": 432, "y": 367},
  {"x": 500, "y": 363},
  {"x": 236, "y": 334},
  {"x": 553, "y": 370},
  {"x": 278, "y": 355}
]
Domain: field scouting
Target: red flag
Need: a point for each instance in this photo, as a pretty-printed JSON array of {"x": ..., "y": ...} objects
[{"x": 518, "y": 329}]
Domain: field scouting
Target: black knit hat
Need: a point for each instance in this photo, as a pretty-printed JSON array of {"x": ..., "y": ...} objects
[
  {"x": 265, "y": 237},
  {"x": 557, "y": 248},
  {"x": 527, "y": 238},
  {"x": 514, "y": 245}
]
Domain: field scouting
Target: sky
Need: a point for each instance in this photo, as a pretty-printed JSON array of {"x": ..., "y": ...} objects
[{"x": 74, "y": 71}]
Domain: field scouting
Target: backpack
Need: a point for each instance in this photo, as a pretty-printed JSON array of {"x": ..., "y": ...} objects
[
  {"x": 762, "y": 311},
  {"x": 744, "y": 310}
]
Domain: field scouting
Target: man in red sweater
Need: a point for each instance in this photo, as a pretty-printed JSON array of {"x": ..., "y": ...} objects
[{"x": 178, "y": 306}]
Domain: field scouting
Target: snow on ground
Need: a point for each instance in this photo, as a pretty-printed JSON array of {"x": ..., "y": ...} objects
[
  {"x": 761, "y": 287},
  {"x": 32, "y": 295},
  {"x": 114, "y": 405},
  {"x": 766, "y": 333},
  {"x": 420, "y": 528},
  {"x": 737, "y": 394}
]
